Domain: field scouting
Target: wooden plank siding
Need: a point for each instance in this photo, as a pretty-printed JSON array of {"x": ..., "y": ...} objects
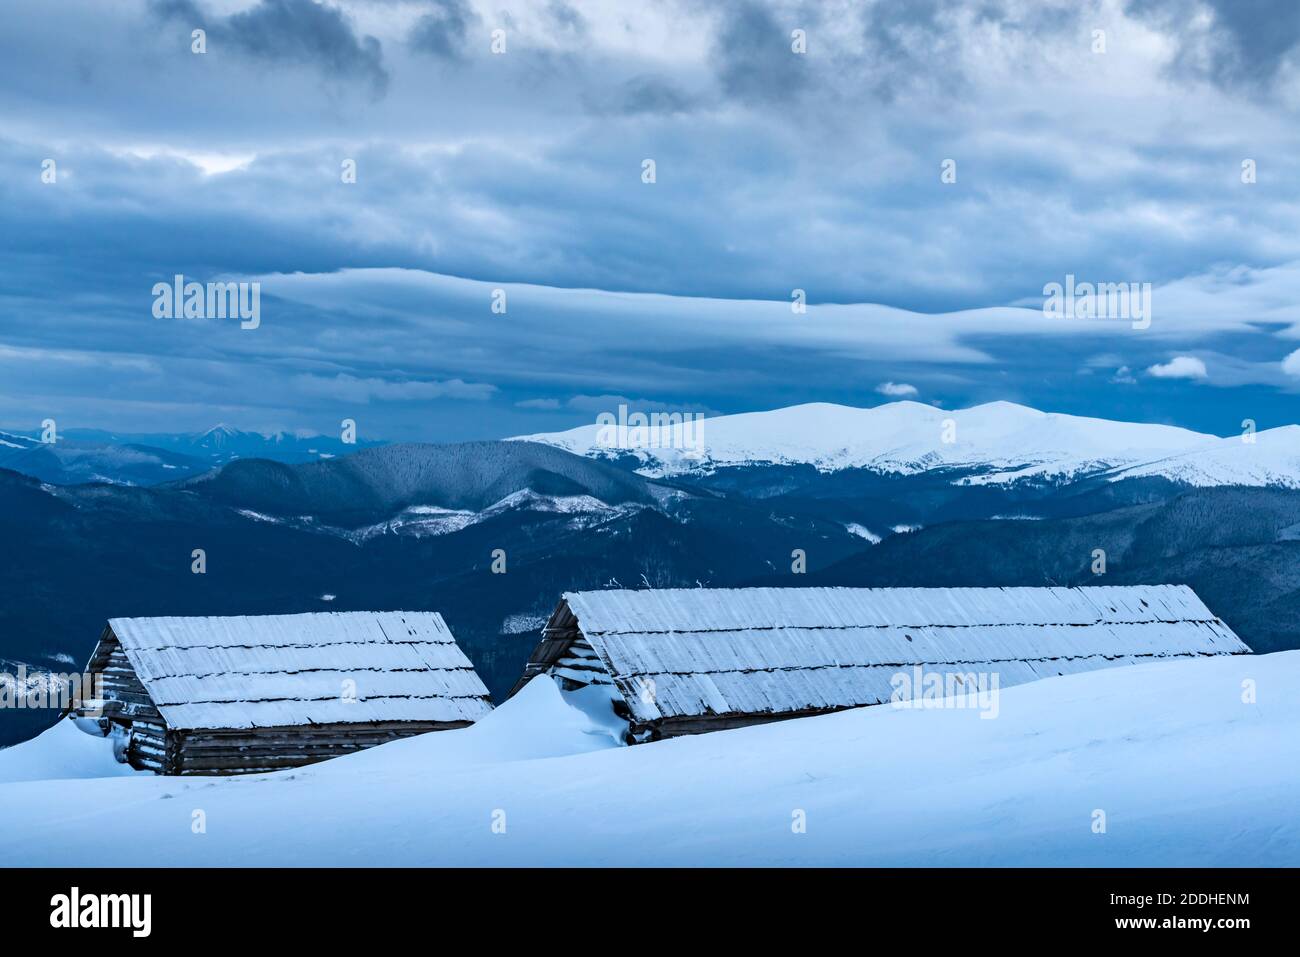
[
  {"x": 269, "y": 749},
  {"x": 701, "y": 724}
]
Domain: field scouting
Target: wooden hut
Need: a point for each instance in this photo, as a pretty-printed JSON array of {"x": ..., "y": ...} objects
[
  {"x": 683, "y": 661},
  {"x": 231, "y": 695}
]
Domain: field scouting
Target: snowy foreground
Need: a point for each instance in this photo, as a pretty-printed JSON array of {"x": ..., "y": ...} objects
[{"x": 1186, "y": 773}]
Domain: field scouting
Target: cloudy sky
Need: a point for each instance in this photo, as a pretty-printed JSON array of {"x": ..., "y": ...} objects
[{"x": 922, "y": 171}]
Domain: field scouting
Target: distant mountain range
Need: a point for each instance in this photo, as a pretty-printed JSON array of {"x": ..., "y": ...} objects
[
  {"x": 92, "y": 455},
  {"x": 794, "y": 497},
  {"x": 997, "y": 443}
]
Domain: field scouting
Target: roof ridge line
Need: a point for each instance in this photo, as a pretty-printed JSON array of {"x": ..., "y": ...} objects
[{"x": 862, "y": 627}]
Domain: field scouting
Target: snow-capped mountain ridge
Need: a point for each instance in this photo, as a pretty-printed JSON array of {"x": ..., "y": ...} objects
[
  {"x": 1268, "y": 458},
  {"x": 1001, "y": 442}
]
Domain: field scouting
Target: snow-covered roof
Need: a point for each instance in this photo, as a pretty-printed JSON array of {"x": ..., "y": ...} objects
[
  {"x": 774, "y": 650},
  {"x": 273, "y": 670}
]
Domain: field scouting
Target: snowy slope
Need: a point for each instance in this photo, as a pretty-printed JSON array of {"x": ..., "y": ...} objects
[
  {"x": 9, "y": 440},
  {"x": 61, "y": 752},
  {"x": 1186, "y": 773},
  {"x": 1273, "y": 458},
  {"x": 1005, "y": 442}
]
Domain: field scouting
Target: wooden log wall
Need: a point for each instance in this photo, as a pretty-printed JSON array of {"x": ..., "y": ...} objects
[
  {"x": 580, "y": 666},
  {"x": 700, "y": 724},
  {"x": 247, "y": 751}
]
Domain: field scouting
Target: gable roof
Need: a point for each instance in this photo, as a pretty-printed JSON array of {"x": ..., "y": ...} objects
[
  {"x": 275, "y": 670},
  {"x": 776, "y": 650}
]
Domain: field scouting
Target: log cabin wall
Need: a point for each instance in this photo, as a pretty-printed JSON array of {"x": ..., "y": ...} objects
[
  {"x": 126, "y": 707},
  {"x": 702, "y": 724},
  {"x": 272, "y": 749}
]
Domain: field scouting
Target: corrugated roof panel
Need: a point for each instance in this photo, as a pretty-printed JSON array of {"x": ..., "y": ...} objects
[{"x": 274, "y": 670}]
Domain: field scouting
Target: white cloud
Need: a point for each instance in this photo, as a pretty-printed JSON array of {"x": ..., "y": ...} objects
[
  {"x": 17, "y": 354},
  {"x": 605, "y": 403},
  {"x": 353, "y": 389},
  {"x": 898, "y": 390},
  {"x": 1291, "y": 364},
  {"x": 1180, "y": 367},
  {"x": 211, "y": 163}
]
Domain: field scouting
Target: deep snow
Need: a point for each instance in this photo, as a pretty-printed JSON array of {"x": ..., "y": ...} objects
[
  {"x": 1186, "y": 772},
  {"x": 60, "y": 752}
]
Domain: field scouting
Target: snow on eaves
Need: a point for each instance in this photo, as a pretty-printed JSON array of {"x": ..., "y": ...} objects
[{"x": 325, "y": 667}]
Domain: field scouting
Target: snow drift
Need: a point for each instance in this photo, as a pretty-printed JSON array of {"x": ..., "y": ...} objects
[
  {"x": 1191, "y": 763},
  {"x": 62, "y": 751}
]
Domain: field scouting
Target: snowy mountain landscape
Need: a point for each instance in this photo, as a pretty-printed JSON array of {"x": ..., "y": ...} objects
[
  {"x": 845, "y": 444},
  {"x": 1183, "y": 766},
  {"x": 871, "y": 497},
  {"x": 1186, "y": 762}
]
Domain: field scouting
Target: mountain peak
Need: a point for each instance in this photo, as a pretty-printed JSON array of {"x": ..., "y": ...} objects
[
  {"x": 1011, "y": 408},
  {"x": 219, "y": 432}
]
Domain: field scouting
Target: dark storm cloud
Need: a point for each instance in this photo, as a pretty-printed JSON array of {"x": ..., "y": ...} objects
[
  {"x": 922, "y": 44},
  {"x": 566, "y": 19},
  {"x": 1247, "y": 41},
  {"x": 752, "y": 50},
  {"x": 916, "y": 46},
  {"x": 653, "y": 95},
  {"x": 443, "y": 31},
  {"x": 301, "y": 32},
  {"x": 903, "y": 42}
]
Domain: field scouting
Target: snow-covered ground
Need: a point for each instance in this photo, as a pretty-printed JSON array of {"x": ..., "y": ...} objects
[
  {"x": 1009, "y": 442},
  {"x": 1184, "y": 770},
  {"x": 60, "y": 753}
]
